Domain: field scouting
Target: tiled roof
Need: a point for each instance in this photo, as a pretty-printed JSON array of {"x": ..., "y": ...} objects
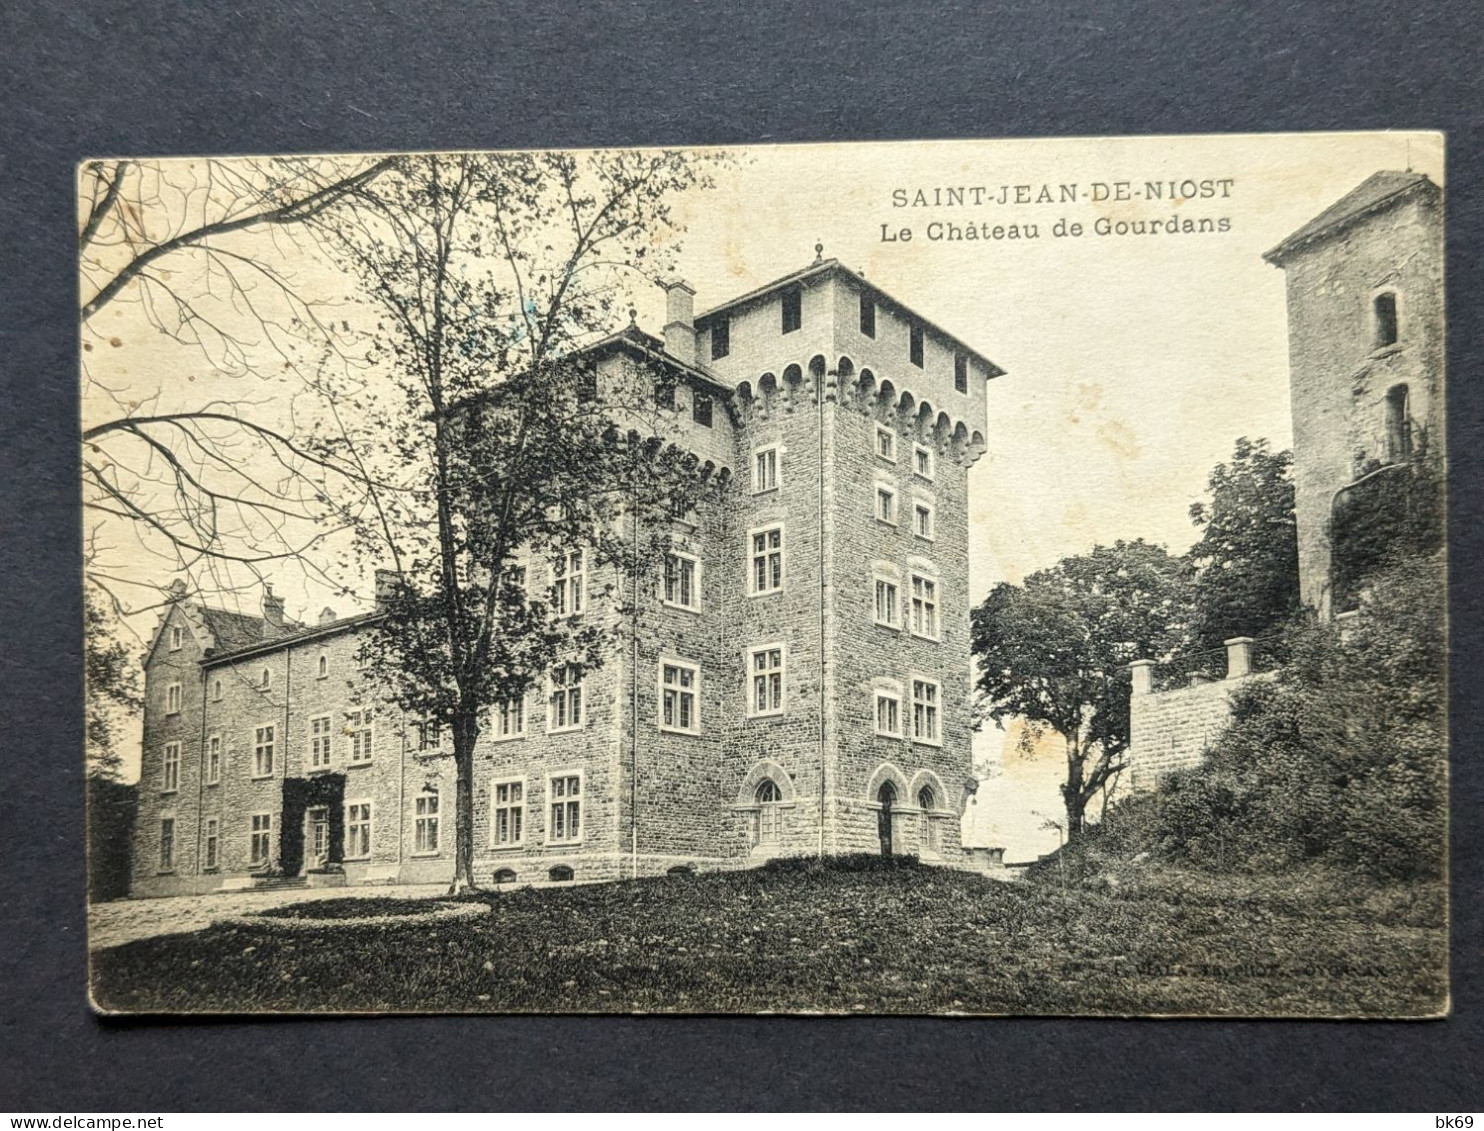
[
  {"x": 1374, "y": 192},
  {"x": 232, "y": 630}
]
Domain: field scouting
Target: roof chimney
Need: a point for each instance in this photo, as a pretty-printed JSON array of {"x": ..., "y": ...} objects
[
  {"x": 680, "y": 319},
  {"x": 386, "y": 588},
  {"x": 327, "y": 615},
  {"x": 272, "y": 608}
]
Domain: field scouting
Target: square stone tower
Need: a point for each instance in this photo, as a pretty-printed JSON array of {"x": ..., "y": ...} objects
[
  {"x": 1365, "y": 342},
  {"x": 857, "y": 421}
]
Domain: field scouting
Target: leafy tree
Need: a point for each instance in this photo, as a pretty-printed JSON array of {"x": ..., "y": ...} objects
[
  {"x": 1056, "y": 649},
  {"x": 111, "y": 689},
  {"x": 111, "y": 685},
  {"x": 1246, "y": 561},
  {"x": 496, "y": 452}
]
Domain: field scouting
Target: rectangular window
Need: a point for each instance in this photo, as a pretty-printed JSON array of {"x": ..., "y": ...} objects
[
  {"x": 177, "y": 637},
  {"x": 214, "y": 759},
  {"x": 888, "y": 605},
  {"x": 429, "y": 735},
  {"x": 914, "y": 346},
  {"x": 357, "y": 830},
  {"x": 765, "y": 470},
  {"x": 172, "y": 699},
  {"x": 767, "y": 560},
  {"x": 507, "y": 813},
  {"x": 924, "y": 711},
  {"x": 721, "y": 338},
  {"x": 566, "y": 698},
  {"x": 512, "y": 718},
  {"x": 765, "y": 666},
  {"x": 1384, "y": 306},
  {"x": 793, "y": 309},
  {"x": 679, "y": 707},
  {"x": 886, "y": 505},
  {"x": 170, "y": 768},
  {"x": 886, "y": 443},
  {"x": 167, "y": 844},
  {"x": 564, "y": 792},
  {"x": 425, "y": 823},
  {"x": 922, "y": 520},
  {"x": 360, "y": 724},
  {"x": 682, "y": 577},
  {"x": 319, "y": 742},
  {"x": 261, "y": 848},
  {"x": 212, "y": 846},
  {"x": 664, "y": 392},
  {"x": 868, "y": 315},
  {"x": 262, "y": 752},
  {"x": 961, "y": 373},
  {"x": 700, "y": 409},
  {"x": 568, "y": 584},
  {"x": 924, "y": 607},
  {"x": 587, "y": 384},
  {"x": 888, "y": 713},
  {"x": 922, "y": 461}
]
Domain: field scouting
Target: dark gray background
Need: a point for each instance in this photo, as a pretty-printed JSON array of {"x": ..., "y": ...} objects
[{"x": 99, "y": 79}]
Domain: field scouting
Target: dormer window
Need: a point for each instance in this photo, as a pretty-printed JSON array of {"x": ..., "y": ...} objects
[
  {"x": 793, "y": 309},
  {"x": 1383, "y": 307},
  {"x": 721, "y": 338}
]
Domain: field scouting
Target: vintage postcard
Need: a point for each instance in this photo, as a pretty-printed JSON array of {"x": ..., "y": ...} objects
[{"x": 972, "y": 577}]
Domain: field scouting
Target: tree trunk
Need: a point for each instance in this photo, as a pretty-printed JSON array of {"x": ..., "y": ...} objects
[
  {"x": 465, "y": 731},
  {"x": 1071, "y": 792}
]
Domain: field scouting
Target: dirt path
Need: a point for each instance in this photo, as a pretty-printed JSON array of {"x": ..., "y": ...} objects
[{"x": 127, "y": 920}]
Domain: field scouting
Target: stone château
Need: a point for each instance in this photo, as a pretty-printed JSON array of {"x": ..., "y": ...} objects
[{"x": 800, "y": 685}]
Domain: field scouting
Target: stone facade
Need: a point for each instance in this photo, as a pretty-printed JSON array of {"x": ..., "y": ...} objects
[
  {"x": 1365, "y": 338},
  {"x": 844, "y": 426}
]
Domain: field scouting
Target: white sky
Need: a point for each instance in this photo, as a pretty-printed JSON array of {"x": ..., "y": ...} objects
[{"x": 1132, "y": 363}]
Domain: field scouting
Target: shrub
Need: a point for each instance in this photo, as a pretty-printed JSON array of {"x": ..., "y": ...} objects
[
  {"x": 1342, "y": 757},
  {"x": 846, "y": 862}
]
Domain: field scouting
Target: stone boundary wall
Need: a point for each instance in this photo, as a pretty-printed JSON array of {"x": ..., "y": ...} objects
[{"x": 1172, "y": 730}]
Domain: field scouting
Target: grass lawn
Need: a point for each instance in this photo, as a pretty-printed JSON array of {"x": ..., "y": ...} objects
[{"x": 803, "y": 939}]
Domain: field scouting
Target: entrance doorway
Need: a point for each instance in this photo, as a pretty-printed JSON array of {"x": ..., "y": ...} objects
[
  {"x": 316, "y": 838},
  {"x": 887, "y": 797}
]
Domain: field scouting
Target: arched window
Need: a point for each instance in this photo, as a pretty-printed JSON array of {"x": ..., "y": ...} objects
[
  {"x": 1398, "y": 424},
  {"x": 324, "y": 665},
  {"x": 1384, "y": 309},
  {"x": 928, "y": 828},
  {"x": 769, "y": 813},
  {"x": 265, "y": 678},
  {"x": 560, "y": 874}
]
